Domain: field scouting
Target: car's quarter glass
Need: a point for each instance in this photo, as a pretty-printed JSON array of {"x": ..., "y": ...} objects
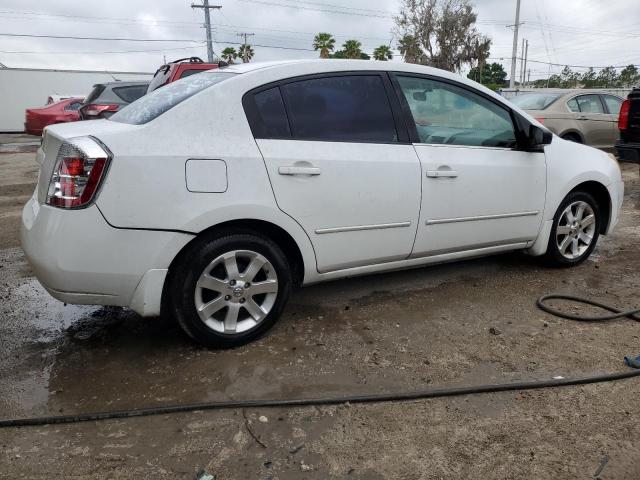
[
  {"x": 613, "y": 105},
  {"x": 478, "y": 189},
  {"x": 342, "y": 173}
]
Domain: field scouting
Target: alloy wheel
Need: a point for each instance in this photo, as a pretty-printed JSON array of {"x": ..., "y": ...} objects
[
  {"x": 576, "y": 229},
  {"x": 236, "y": 291}
]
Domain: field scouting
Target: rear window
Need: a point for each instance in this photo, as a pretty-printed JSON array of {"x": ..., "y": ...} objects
[
  {"x": 95, "y": 93},
  {"x": 534, "y": 101},
  {"x": 159, "y": 101},
  {"x": 131, "y": 93}
]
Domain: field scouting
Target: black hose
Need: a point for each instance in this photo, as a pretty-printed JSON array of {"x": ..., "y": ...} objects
[
  {"x": 376, "y": 398},
  {"x": 585, "y": 318}
]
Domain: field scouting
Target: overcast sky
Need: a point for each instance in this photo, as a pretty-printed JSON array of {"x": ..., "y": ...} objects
[{"x": 574, "y": 32}]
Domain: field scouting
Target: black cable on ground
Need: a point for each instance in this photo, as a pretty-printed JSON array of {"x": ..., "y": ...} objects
[
  {"x": 541, "y": 303},
  {"x": 375, "y": 398}
]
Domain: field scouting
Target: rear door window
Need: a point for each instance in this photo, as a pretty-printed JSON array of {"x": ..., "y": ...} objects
[
  {"x": 573, "y": 105},
  {"x": 345, "y": 108},
  {"x": 272, "y": 121},
  {"x": 131, "y": 93},
  {"x": 590, "y": 104},
  {"x": 613, "y": 104}
]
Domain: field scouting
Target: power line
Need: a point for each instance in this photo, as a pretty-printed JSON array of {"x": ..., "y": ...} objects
[
  {"x": 98, "y": 52},
  {"x": 98, "y": 38},
  {"x": 314, "y": 9}
]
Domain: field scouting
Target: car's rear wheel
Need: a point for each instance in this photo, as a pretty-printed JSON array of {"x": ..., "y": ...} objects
[
  {"x": 572, "y": 137},
  {"x": 575, "y": 231},
  {"x": 228, "y": 290}
]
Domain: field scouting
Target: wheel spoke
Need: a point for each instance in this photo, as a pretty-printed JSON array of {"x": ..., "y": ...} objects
[
  {"x": 253, "y": 268},
  {"x": 569, "y": 215},
  {"x": 580, "y": 212},
  {"x": 231, "y": 266},
  {"x": 563, "y": 230},
  {"x": 231, "y": 318},
  {"x": 254, "y": 309},
  {"x": 565, "y": 243},
  {"x": 209, "y": 308},
  {"x": 268, "y": 286},
  {"x": 585, "y": 238},
  {"x": 588, "y": 220},
  {"x": 574, "y": 247},
  {"x": 212, "y": 283}
]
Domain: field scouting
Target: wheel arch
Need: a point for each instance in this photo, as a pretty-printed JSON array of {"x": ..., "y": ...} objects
[
  {"x": 573, "y": 132},
  {"x": 601, "y": 195}
]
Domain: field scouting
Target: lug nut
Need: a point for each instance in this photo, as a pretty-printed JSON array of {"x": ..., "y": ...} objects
[
  {"x": 232, "y": 282},
  {"x": 227, "y": 297},
  {"x": 247, "y": 285},
  {"x": 242, "y": 300}
]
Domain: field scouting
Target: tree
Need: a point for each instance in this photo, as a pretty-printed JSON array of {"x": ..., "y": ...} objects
[
  {"x": 588, "y": 78},
  {"x": 607, "y": 77},
  {"x": 352, "y": 49},
  {"x": 410, "y": 49},
  {"x": 569, "y": 78},
  {"x": 444, "y": 32},
  {"x": 245, "y": 52},
  {"x": 492, "y": 75},
  {"x": 325, "y": 43},
  {"x": 629, "y": 76},
  {"x": 229, "y": 54},
  {"x": 383, "y": 52}
]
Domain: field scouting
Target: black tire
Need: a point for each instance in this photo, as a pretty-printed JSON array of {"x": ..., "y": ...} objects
[
  {"x": 572, "y": 137},
  {"x": 188, "y": 268},
  {"x": 554, "y": 257}
]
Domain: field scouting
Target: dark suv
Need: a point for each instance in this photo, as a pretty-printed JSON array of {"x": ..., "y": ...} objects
[
  {"x": 178, "y": 69},
  {"x": 107, "y": 98},
  {"x": 628, "y": 148}
]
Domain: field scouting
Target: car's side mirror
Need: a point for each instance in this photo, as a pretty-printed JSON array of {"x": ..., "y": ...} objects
[{"x": 539, "y": 137}]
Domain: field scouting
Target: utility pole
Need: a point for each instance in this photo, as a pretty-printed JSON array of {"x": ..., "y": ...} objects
[
  {"x": 521, "y": 63},
  {"x": 514, "y": 55},
  {"x": 526, "y": 55},
  {"x": 207, "y": 25},
  {"x": 244, "y": 52},
  {"x": 529, "y": 78}
]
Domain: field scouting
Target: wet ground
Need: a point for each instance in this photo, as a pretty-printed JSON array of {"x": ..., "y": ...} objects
[{"x": 472, "y": 322}]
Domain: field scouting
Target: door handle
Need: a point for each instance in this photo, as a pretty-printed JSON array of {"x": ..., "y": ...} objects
[
  {"x": 442, "y": 173},
  {"x": 292, "y": 170},
  {"x": 583, "y": 118}
]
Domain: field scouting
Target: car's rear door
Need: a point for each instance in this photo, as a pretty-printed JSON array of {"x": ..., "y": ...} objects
[
  {"x": 594, "y": 122},
  {"x": 479, "y": 191},
  {"x": 340, "y": 164},
  {"x": 613, "y": 105}
]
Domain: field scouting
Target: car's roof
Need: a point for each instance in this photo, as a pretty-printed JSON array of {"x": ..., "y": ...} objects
[{"x": 122, "y": 84}]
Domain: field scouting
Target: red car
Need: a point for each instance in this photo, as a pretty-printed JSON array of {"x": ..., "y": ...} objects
[
  {"x": 178, "y": 69},
  {"x": 59, "y": 112}
]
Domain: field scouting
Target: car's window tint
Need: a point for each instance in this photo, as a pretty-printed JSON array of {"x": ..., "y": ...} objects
[
  {"x": 573, "y": 105},
  {"x": 188, "y": 73},
  {"x": 346, "y": 108},
  {"x": 447, "y": 114},
  {"x": 73, "y": 106},
  {"x": 131, "y": 93},
  {"x": 613, "y": 104},
  {"x": 590, "y": 104},
  {"x": 159, "y": 101},
  {"x": 534, "y": 101},
  {"x": 273, "y": 118}
]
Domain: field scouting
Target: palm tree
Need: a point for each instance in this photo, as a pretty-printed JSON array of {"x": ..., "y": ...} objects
[
  {"x": 410, "y": 49},
  {"x": 325, "y": 43},
  {"x": 383, "y": 52},
  {"x": 245, "y": 52},
  {"x": 229, "y": 54},
  {"x": 352, "y": 49}
]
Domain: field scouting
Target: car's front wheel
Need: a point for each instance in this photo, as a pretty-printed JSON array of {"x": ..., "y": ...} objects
[
  {"x": 229, "y": 289},
  {"x": 575, "y": 232}
]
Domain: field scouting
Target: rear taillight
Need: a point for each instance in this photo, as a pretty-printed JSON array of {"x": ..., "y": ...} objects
[
  {"x": 623, "y": 118},
  {"x": 92, "y": 110},
  {"x": 80, "y": 167},
  {"x": 540, "y": 119}
]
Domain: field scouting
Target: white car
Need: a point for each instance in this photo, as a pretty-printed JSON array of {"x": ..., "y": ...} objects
[{"x": 211, "y": 198}]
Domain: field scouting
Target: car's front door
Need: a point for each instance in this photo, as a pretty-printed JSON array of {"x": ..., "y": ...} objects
[
  {"x": 340, "y": 165},
  {"x": 479, "y": 191}
]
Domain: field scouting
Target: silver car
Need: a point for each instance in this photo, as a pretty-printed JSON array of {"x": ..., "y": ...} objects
[{"x": 584, "y": 116}]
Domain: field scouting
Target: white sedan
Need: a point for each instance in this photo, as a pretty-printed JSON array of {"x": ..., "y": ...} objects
[{"x": 211, "y": 198}]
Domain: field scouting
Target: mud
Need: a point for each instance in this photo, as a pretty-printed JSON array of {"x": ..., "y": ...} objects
[{"x": 466, "y": 323}]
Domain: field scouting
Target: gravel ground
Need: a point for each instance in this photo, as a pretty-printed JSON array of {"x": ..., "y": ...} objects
[{"x": 472, "y": 322}]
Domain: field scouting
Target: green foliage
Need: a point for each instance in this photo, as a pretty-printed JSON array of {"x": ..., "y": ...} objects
[
  {"x": 352, "y": 49},
  {"x": 229, "y": 54},
  {"x": 245, "y": 52},
  {"x": 325, "y": 43},
  {"x": 382, "y": 53},
  {"x": 606, "y": 78},
  {"x": 492, "y": 73}
]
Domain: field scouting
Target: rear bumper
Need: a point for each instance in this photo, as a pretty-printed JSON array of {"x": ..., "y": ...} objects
[
  {"x": 79, "y": 258},
  {"x": 628, "y": 152}
]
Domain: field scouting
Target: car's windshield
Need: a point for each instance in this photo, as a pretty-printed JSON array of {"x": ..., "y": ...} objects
[
  {"x": 534, "y": 101},
  {"x": 159, "y": 101}
]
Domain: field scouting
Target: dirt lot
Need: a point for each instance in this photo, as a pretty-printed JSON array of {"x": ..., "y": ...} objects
[{"x": 400, "y": 331}]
